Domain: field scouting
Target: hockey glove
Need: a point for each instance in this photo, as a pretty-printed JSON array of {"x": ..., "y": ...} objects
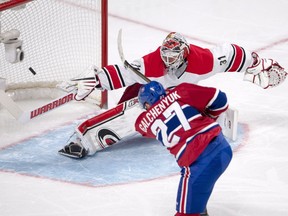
[
  {"x": 265, "y": 72},
  {"x": 74, "y": 150},
  {"x": 85, "y": 86}
]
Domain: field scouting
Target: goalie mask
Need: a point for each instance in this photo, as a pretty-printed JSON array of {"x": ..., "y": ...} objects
[
  {"x": 174, "y": 51},
  {"x": 150, "y": 93}
]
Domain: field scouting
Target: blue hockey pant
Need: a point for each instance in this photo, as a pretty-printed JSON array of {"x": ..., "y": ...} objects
[{"x": 197, "y": 180}]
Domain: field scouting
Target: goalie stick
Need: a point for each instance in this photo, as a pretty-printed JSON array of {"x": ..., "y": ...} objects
[
  {"x": 10, "y": 105},
  {"x": 25, "y": 116},
  {"x": 125, "y": 62}
]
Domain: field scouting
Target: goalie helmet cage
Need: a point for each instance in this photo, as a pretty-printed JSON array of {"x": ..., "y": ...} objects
[{"x": 62, "y": 39}]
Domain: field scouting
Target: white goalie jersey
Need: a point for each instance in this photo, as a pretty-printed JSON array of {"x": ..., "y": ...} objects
[{"x": 200, "y": 64}]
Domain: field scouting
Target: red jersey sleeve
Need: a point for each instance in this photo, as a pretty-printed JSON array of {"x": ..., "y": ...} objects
[{"x": 209, "y": 101}]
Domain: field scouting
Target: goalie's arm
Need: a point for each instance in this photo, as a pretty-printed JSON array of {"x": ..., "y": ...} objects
[
  {"x": 117, "y": 76},
  {"x": 107, "y": 78},
  {"x": 112, "y": 76}
]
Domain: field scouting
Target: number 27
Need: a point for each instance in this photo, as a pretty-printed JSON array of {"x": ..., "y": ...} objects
[{"x": 159, "y": 126}]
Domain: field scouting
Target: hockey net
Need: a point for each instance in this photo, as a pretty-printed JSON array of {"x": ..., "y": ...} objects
[{"x": 61, "y": 40}]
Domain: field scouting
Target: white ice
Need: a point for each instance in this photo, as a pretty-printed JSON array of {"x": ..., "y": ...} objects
[{"x": 256, "y": 182}]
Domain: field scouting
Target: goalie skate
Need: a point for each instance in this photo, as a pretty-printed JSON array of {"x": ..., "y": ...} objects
[{"x": 73, "y": 150}]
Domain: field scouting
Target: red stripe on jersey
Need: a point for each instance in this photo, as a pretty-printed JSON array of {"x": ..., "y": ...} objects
[
  {"x": 100, "y": 119},
  {"x": 114, "y": 76},
  {"x": 184, "y": 191},
  {"x": 238, "y": 58},
  {"x": 216, "y": 113}
]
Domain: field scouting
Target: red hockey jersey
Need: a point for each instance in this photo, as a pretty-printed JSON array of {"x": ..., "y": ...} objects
[{"x": 184, "y": 120}]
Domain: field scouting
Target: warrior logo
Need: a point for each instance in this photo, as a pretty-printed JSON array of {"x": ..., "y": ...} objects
[{"x": 107, "y": 137}]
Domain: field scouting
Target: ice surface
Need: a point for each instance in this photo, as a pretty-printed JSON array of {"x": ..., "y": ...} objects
[{"x": 255, "y": 183}]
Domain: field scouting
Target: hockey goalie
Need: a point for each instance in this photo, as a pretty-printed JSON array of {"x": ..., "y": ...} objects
[{"x": 172, "y": 63}]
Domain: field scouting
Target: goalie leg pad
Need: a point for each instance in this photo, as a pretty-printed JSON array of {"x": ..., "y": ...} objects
[
  {"x": 109, "y": 127},
  {"x": 103, "y": 130},
  {"x": 229, "y": 123}
]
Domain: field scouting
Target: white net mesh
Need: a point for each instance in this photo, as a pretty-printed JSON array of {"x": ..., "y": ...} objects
[{"x": 61, "y": 39}]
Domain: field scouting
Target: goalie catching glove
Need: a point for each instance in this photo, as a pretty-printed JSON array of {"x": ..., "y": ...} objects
[
  {"x": 86, "y": 85},
  {"x": 265, "y": 72}
]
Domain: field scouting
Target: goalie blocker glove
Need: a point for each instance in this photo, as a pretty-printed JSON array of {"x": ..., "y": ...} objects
[
  {"x": 74, "y": 150},
  {"x": 266, "y": 73}
]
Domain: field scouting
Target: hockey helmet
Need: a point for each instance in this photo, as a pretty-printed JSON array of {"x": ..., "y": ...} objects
[
  {"x": 174, "y": 50},
  {"x": 150, "y": 93}
]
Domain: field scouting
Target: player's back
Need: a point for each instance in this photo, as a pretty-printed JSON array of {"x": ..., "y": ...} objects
[{"x": 182, "y": 128}]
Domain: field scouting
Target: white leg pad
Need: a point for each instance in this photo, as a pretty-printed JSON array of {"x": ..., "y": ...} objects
[{"x": 229, "y": 123}]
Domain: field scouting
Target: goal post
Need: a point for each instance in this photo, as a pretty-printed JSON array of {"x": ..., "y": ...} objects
[
  {"x": 104, "y": 48},
  {"x": 46, "y": 42}
]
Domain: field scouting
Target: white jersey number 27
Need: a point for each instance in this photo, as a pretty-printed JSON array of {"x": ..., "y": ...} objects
[{"x": 167, "y": 135}]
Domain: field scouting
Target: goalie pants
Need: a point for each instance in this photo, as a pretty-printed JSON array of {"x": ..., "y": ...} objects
[{"x": 197, "y": 180}]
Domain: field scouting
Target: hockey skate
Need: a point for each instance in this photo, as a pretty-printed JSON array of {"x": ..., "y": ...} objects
[
  {"x": 73, "y": 150},
  {"x": 205, "y": 213}
]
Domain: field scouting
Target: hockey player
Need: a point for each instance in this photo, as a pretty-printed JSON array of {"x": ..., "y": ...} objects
[
  {"x": 183, "y": 120},
  {"x": 174, "y": 62}
]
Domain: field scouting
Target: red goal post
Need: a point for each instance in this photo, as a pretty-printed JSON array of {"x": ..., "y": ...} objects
[{"x": 60, "y": 40}]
